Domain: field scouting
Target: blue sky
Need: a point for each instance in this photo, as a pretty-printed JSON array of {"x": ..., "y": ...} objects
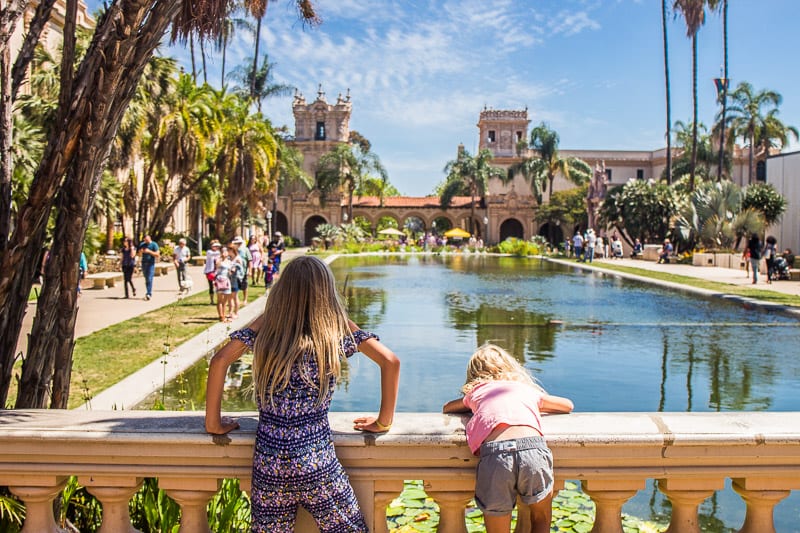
[{"x": 420, "y": 72}]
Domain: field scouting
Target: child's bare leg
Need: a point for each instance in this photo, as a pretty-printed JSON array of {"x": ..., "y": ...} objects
[
  {"x": 497, "y": 524},
  {"x": 542, "y": 515}
]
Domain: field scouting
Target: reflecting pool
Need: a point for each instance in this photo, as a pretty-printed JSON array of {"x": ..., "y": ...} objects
[{"x": 607, "y": 343}]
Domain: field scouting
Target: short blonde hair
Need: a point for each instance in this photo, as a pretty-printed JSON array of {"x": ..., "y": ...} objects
[
  {"x": 492, "y": 363},
  {"x": 303, "y": 315}
]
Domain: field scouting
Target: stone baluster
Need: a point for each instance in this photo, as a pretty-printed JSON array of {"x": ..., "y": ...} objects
[
  {"x": 760, "y": 495},
  {"x": 609, "y": 495},
  {"x": 452, "y": 497},
  {"x": 193, "y": 495},
  {"x": 686, "y": 495},
  {"x": 38, "y": 493},
  {"x": 385, "y": 492},
  {"x": 114, "y": 494}
]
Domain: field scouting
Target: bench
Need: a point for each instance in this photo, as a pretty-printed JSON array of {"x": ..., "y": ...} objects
[
  {"x": 163, "y": 268},
  {"x": 101, "y": 280},
  {"x": 794, "y": 274}
]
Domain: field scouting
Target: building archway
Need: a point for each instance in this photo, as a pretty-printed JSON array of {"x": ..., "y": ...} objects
[
  {"x": 552, "y": 232},
  {"x": 511, "y": 227},
  {"x": 441, "y": 224},
  {"x": 311, "y": 228},
  {"x": 281, "y": 223}
]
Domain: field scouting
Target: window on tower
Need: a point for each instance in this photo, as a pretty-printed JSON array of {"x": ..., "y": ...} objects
[
  {"x": 320, "y": 134},
  {"x": 492, "y": 136}
]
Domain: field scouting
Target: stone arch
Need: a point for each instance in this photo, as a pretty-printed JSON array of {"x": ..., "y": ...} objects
[
  {"x": 416, "y": 223},
  {"x": 511, "y": 227},
  {"x": 310, "y": 227},
  {"x": 281, "y": 223},
  {"x": 552, "y": 232},
  {"x": 365, "y": 215},
  {"x": 441, "y": 223}
]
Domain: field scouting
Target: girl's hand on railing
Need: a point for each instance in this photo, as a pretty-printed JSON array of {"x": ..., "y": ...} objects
[
  {"x": 371, "y": 424},
  {"x": 225, "y": 425}
]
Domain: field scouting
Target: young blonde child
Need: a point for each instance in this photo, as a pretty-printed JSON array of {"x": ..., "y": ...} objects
[
  {"x": 298, "y": 344},
  {"x": 506, "y": 431}
]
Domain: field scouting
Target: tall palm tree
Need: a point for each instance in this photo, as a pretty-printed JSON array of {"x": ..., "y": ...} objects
[
  {"x": 723, "y": 6},
  {"x": 345, "y": 168},
  {"x": 260, "y": 87},
  {"x": 694, "y": 15},
  {"x": 749, "y": 111},
  {"x": 247, "y": 152},
  {"x": 668, "y": 132},
  {"x": 89, "y": 112},
  {"x": 540, "y": 171},
  {"x": 258, "y": 10},
  {"x": 468, "y": 175}
]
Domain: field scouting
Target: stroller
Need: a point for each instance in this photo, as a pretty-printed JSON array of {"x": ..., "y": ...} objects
[{"x": 780, "y": 269}]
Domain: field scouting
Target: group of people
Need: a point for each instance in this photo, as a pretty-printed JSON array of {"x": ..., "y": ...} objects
[
  {"x": 228, "y": 268},
  {"x": 778, "y": 265},
  {"x": 148, "y": 253},
  {"x": 298, "y": 345},
  {"x": 588, "y": 245}
]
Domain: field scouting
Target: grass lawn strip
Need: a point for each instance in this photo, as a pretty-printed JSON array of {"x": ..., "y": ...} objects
[
  {"x": 105, "y": 357},
  {"x": 715, "y": 286}
]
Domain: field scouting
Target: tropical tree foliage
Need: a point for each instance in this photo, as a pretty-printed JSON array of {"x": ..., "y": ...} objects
[
  {"x": 346, "y": 168},
  {"x": 566, "y": 209},
  {"x": 694, "y": 14},
  {"x": 541, "y": 170},
  {"x": 641, "y": 209},
  {"x": 764, "y": 198},
  {"x": 754, "y": 118},
  {"x": 715, "y": 217},
  {"x": 92, "y": 99},
  {"x": 469, "y": 175}
]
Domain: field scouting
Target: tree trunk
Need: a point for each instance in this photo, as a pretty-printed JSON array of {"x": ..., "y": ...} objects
[
  {"x": 721, "y": 161},
  {"x": 666, "y": 83},
  {"x": 254, "y": 73},
  {"x": 6, "y": 134},
  {"x": 25, "y": 54},
  {"x": 693, "y": 164},
  {"x": 123, "y": 43}
]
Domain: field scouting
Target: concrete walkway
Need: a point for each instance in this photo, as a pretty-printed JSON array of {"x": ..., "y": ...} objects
[{"x": 730, "y": 276}]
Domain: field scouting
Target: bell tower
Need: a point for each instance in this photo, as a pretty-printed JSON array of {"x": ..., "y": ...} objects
[
  {"x": 501, "y": 130},
  {"x": 320, "y": 126}
]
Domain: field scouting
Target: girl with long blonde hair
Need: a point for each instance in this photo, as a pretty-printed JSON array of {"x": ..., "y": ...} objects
[
  {"x": 298, "y": 344},
  {"x": 506, "y": 431}
]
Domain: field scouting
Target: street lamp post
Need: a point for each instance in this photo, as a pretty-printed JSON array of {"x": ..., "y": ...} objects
[
  {"x": 486, "y": 225},
  {"x": 269, "y": 224}
]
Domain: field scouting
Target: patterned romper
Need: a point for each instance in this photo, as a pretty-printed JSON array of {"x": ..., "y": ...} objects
[{"x": 295, "y": 462}]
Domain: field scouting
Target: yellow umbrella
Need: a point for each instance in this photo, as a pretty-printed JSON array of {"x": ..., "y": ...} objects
[
  {"x": 391, "y": 231},
  {"x": 457, "y": 233}
]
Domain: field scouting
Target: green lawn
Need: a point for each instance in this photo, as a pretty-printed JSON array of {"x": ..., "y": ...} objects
[
  {"x": 727, "y": 288},
  {"x": 111, "y": 354}
]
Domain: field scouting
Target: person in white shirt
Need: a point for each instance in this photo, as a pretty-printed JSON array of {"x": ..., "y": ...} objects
[{"x": 181, "y": 256}]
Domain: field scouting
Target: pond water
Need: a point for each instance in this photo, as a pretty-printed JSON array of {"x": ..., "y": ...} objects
[{"x": 608, "y": 344}]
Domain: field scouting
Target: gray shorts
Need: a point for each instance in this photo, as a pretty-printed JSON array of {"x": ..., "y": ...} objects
[{"x": 510, "y": 468}]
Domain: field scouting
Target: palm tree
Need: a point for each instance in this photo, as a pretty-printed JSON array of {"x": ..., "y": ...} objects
[
  {"x": 247, "y": 152},
  {"x": 345, "y": 167},
  {"x": 260, "y": 87},
  {"x": 541, "y": 170},
  {"x": 694, "y": 14},
  {"x": 92, "y": 101},
  {"x": 179, "y": 145},
  {"x": 468, "y": 175},
  {"x": 749, "y": 111},
  {"x": 258, "y": 10},
  {"x": 723, "y": 5},
  {"x": 668, "y": 133}
]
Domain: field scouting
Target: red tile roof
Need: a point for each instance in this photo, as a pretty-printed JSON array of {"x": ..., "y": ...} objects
[{"x": 409, "y": 201}]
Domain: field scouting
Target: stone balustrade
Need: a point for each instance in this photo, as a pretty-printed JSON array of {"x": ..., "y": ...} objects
[{"x": 612, "y": 454}]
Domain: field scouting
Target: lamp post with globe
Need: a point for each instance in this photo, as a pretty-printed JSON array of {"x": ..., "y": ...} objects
[{"x": 269, "y": 224}]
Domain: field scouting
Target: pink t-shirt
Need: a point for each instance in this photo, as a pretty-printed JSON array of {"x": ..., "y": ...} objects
[{"x": 501, "y": 402}]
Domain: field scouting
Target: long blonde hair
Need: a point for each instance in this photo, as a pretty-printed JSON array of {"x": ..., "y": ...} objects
[
  {"x": 303, "y": 315},
  {"x": 492, "y": 363}
]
